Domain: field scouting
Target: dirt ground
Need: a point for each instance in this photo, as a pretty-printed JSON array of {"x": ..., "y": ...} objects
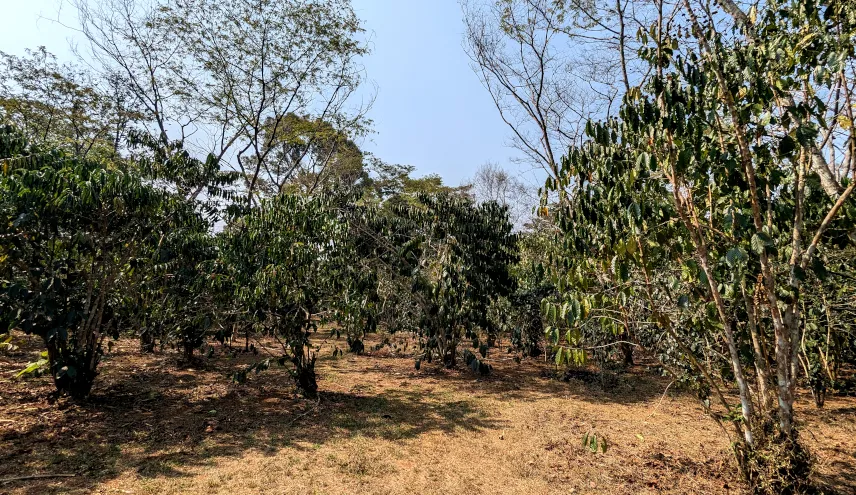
[{"x": 380, "y": 427}]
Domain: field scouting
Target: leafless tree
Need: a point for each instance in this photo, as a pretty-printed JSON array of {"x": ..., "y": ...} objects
[
  {"x": 492, "y": 183},
  {"x": 124, "y": 40},
  {"x": 256, "y": 63},
  {"x": 63, "y": 104},
  {"x": 551, "y": 65},
  {"x": 513, "y": 49}
]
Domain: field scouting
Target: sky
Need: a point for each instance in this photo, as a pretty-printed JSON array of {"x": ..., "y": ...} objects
[{"x": 430, "y": 111}]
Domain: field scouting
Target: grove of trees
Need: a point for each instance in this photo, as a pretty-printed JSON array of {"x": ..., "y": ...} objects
[{"x": 202, "y": 181}]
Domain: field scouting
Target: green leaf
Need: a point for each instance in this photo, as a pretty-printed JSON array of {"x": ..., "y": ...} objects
[
  {"x": 623, "y": 272},
  {"x": 684, "y": 158},
  {"x": 760, "y": 242},
  {"x": 787, "y": 145},
  {"x": 735, "y": 256},
  {"x": 31, "y": 368}
]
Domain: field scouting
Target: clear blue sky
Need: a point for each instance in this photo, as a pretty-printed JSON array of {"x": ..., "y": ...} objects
[{"x": 431, "y": 111}]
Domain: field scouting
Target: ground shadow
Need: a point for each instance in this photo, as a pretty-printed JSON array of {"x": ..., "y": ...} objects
[
  {"x": 160, "y": 422},
  {"x": 150, "y": 417},
  {"x": 530, "y": 379}
]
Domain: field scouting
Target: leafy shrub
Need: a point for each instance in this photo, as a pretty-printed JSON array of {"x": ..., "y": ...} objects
[{"x": 74, "y": 231}]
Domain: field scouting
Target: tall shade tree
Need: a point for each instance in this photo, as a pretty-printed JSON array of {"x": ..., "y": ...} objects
[
  {"x": 238, "y": 79},
  {"x": 125, "y": 38},
  {"x": 515, "y": 52},
  {"x": 549, "y": 65},
  {"x": 64, "y": 106},
  {"x": 492, "y": 183},
  {"x": 307, "y": 156},
  {"x": 253, "y": 65}
]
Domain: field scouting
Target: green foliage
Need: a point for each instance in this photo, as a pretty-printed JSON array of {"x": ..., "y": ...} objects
[
  {"x": 464, "y": 264},
  {"x": 693, "y": 225},
  {"x": 177, "y": 302},
  {"x": 170, "y": 165},
  {"x": 829, "y": 340},
  {"x": 431, "y": 264},
  {"x": 274, "y": 77},
  {"x": 276, "y": 260},
  {"x": 475, "y": 364},
  {"x": 63, "y": 106},
  {"x": 524, "y": 316},
  {"x": 594, "y": 443},
  {"x": 305, "y": 156},
  {"x": 180, "y": 301},
  {"x": 35, "y": 368},
  {"x": 74, "y": 235},
  {"x": 6, "y": 343}
]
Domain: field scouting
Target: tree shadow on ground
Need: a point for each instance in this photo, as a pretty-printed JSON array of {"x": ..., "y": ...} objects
[
  {"x": 527, "y": 380},
  {"x": 843, "y": 481},
  {"x": 162, "y": 422},
  {"x": 150, "y": 418}
]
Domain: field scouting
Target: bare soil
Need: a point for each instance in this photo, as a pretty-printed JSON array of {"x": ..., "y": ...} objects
[{"x": 380, "y": 427}]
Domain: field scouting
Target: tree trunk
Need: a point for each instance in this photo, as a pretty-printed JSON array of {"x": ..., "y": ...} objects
[
  {"x": 449, "y": 350},
  {"x": 491, "y": 336},
  {"x": 73, "y": 371},
  {"x": 449, "y": 357},
  {"x": 304, "y": 374},
  {"x": 187, "y": 348},
  {"x": 627, "y": 353},
  {"x": 147, "y": 340},
  {"x": 760, "y": 357}
]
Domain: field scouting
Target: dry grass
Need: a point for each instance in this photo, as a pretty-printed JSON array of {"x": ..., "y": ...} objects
[{"x": 380, "y": 427}]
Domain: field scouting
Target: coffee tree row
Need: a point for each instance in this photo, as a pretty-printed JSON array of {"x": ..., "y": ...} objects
[{"x": 95, "y": 248}]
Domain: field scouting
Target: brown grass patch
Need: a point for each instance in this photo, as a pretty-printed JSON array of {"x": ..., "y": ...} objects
[{"x": 379, "y": 427}]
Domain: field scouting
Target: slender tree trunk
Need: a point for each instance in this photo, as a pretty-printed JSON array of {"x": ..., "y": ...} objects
[{"x": 761, "y": 364}]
